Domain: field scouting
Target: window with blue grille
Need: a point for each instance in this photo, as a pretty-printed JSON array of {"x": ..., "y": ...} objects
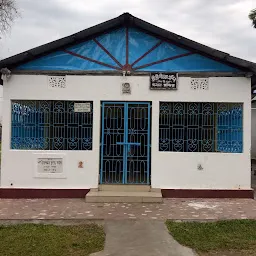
[
  {"x": 50, "y": 125},
  {"x": 201, "y": 127}
]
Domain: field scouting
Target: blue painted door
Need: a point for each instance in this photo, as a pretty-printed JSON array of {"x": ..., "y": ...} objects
[{"x": 125, "y": 143}]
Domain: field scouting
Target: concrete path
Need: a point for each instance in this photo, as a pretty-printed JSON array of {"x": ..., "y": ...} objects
[{"x": 140, "y": 238}]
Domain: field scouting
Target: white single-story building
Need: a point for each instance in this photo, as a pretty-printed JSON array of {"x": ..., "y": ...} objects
[{"x": 126, "y": 103}]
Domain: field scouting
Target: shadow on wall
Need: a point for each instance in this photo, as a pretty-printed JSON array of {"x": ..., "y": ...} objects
[
  {"x": 253, "y": 146},
  {"x": 1, "y": 105},
  {"x": 1, "y": 116},
  {"x": 253, "y": 131}
]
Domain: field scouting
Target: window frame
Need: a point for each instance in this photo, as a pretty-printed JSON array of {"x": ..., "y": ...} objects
[
  {"x": 239, "y": 131},
  {"x": 50, "y": 147}
]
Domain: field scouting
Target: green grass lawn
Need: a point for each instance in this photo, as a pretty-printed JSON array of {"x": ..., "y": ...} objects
[
  {"x": 44, "y": 240},
  {"x": 236, "y": 237}
]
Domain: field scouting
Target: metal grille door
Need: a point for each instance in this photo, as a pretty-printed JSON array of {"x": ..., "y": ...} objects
[{"x": 125, "y": 143}]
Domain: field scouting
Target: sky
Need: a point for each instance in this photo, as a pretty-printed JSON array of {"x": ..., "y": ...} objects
[{"x": 221, "y": 24}]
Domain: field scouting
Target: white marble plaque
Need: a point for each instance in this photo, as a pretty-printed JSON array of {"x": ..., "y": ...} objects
[
  {"x": 49, "y": 165},
  {"x": 82, "y": 107}
]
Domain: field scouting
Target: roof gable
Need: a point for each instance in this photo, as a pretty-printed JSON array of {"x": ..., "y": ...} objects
[
  {"x": 120, "y": 48},
  {"x": 126, "y": 48}
]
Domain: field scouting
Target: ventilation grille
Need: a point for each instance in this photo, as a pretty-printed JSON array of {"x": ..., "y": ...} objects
[
  {"x": 199, "y": 83},
  {"x": 58, "y": 82}
]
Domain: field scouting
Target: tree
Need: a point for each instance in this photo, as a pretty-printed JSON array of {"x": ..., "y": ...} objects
[
  {"x": 252, "y": 17},
  {"x": 8, "y": 13}
]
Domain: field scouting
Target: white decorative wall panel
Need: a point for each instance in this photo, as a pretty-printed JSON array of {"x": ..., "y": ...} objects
[
  {"x": 199, "y": 83},
  {"x": 57, "y": 82}
]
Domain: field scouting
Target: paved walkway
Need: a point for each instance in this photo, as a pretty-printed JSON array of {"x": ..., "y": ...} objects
[
  {"x": 182, "y": 209},
  {"x": 140, "y": 238}
]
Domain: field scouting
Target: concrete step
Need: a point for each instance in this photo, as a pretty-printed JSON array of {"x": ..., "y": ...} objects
[
  {"x": 125, "y": 188},
  {"x": 123, "y": 197}
]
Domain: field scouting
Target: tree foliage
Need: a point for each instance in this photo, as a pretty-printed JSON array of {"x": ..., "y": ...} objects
[
  {"x": 8, "y": 13},
  {"x": 252, "y": 17}
]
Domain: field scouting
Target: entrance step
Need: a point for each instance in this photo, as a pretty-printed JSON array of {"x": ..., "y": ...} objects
[
  {"x": 125, "y": 188},
  {"x": 123, "y": 197}
]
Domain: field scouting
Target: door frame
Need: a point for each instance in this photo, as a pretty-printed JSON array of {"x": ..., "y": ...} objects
[{"x": 126, "y": 103}]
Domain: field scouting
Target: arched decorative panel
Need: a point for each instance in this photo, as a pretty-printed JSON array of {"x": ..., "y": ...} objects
[{"x": 126, "y": 48}]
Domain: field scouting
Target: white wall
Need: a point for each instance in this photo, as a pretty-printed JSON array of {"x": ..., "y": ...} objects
[
  {"x": 169, "y": 169},
  {"x": 1, "y": 103},
  {"x": 253, "y": 128}
]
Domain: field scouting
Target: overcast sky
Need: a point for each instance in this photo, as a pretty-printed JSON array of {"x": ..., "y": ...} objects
[{"x": 221, "y": 24}]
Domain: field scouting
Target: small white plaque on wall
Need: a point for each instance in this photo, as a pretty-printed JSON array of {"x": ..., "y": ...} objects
[
  {"x": 50, "y": 166},
  {"x": 126, "y": 88},
  {"x": 82, "y": 107}
]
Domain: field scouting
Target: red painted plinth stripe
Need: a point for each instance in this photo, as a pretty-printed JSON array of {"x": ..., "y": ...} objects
[
  {"x": 42, "y": 193},
  {"x": 207, "y": 193}
]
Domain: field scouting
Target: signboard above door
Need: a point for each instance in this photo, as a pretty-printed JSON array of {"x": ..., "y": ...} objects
[{"x": 163, "y": 81}]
